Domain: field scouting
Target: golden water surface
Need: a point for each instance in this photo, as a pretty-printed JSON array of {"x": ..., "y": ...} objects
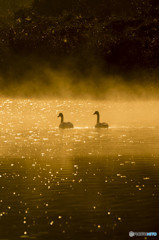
[{"x": 81, "y": 183}]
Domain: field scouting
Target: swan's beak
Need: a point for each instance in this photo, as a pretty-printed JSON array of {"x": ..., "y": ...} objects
[
  {"x": 58, "y": 115},
  {"x": 94, "y": 113}
]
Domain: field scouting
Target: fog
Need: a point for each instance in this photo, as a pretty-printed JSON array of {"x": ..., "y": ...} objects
[
  {"x": 40, "y": 80},
  {"x": 36, "y": 96},
  {"x": 56, "y": 60}
]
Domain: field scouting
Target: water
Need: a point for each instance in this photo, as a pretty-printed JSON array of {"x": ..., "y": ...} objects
[{"x": 82, "y": 183}]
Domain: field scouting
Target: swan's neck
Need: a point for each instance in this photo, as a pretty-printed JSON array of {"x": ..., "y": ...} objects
[
  {"x": 62, "y": 119},
  {"x": 97, "y": 117}
]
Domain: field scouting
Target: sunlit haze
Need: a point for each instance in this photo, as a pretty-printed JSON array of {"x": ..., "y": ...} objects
[{"x": 79, "y": 119}]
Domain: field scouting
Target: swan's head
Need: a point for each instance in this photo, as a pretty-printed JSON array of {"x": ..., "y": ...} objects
[
  {"x": 60, "y": 115},
  {"x": 96, "y": 113}
]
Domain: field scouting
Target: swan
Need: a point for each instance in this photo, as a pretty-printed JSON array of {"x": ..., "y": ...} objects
[
  {"x": 64, "y": 124},
  {"x": 98, "y": 124}
]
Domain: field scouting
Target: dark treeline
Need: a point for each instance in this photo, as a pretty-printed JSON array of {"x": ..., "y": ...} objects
[
  {"x": 100, "y": 8},
  {"x": 117, "y": 37}
]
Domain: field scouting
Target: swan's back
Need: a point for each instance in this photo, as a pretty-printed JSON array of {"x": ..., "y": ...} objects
[
  {"x": 102, "y": 125},
  {"x": 66, "y": 125}
]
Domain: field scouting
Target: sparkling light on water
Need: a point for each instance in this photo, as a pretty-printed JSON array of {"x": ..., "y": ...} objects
[{"x": 77, "y": 182}]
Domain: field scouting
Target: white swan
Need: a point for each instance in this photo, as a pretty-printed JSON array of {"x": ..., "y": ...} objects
[
  {"x": 64, "y": 124},
  {"x": 98, "y": 124}
]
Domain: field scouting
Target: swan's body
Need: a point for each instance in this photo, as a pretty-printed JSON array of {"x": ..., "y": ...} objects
[
  {"x": 64, "y": 124},
  {"x": 99, "y": 124}
]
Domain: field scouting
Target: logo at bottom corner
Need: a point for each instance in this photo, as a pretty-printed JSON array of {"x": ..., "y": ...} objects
[{"x": 139, "y": 234}]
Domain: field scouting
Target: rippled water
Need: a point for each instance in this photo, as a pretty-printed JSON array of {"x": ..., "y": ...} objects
[{"x": 82, "y": 183}]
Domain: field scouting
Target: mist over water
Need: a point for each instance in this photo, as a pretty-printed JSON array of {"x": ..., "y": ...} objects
[
  {"x": 29, "y": 78},
  {"x": 78, "y": 57}
]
